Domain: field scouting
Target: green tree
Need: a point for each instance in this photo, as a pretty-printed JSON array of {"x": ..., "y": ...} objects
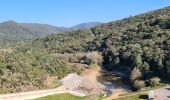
[{"x": 168, "y": 67}]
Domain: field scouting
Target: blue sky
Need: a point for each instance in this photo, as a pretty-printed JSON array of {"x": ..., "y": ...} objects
[{"x": 72, "y": 12}]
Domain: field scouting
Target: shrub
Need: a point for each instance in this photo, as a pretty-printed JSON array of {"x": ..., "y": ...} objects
[
  {"x": 135, "y": 74},
  {"x": 138, "y": 84},
  {"x": 154, "y": 81},
  {"x": 93, "y": 58}
]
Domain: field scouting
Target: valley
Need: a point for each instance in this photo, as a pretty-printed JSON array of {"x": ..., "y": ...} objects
[{"x": 98, "y": 61}]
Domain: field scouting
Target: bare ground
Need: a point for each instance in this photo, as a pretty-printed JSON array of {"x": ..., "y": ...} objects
[
  {"x": 90, "y": 75},
  {"x": 163, "y": 93}
]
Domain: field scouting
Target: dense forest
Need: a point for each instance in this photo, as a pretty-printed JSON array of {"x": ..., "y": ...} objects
[{"x": 139, "y": 45}]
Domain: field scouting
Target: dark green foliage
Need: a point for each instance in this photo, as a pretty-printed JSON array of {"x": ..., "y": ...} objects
[
  {"x": 70, "y": 42},
  {"x": 168, "y": 67},
  {"x": 141, "y": 41}
]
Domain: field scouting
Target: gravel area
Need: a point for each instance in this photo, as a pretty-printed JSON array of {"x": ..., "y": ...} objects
[{"x": 163, "y": 93}]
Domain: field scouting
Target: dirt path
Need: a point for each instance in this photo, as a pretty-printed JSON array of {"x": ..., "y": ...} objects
[
  {"x": 163, "y": 93},
  {"x": 32, "y": 94},
  {"x": 90, "y": 75},
  {"x": 37, "y": 94}
]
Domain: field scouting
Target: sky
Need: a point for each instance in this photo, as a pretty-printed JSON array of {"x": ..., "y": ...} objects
[{"x": 71, "y": 12}]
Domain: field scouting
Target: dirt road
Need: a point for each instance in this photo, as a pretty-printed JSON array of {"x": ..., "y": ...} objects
[
  {"x": 32, "y": 94},
  {"x": 163, "y": 93},
  {"x": 37, "y": 94}
]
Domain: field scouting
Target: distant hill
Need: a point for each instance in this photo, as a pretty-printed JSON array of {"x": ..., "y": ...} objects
[
  {"x": 12, "y": 30},
  {"x": 12, "y": 33},
  {"x": 85, "y": 25}
]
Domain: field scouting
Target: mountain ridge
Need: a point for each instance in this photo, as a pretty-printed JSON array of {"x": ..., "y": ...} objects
[
  {"x": 85, "y": 25},
  {"x": 22, "y": 31}
]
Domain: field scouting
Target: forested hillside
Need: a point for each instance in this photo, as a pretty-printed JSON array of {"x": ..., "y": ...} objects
[
  {"x": 20, "y": 31},
  {"x": 13, "y": 33},
  {"x": 85, "y": 25},
  {"x": 136, "y": 44}
]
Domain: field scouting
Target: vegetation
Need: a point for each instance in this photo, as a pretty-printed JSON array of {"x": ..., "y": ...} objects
[
  {"x": 141, "y": 94},
  {"x": 135, "y": 97},
  {"x": 138, "y": 84},
  {"x": 13, "y": 34},
  {"x": 154, "y": 81},
  {"x": 85, "y": 25},
  {"x": 30, "y": 70},
  {"x": 139, "y": 44},
  {"x": 64, "y": 96},
  {"x": 143, "y": 90}
]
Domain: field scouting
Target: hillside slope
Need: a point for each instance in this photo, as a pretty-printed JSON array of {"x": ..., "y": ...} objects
[
  {"x": 13, "y": 33},
  {"x": 12, "y": 30},
  {"x": 141, "y": 42},
  {"x": 85, "y": 25},
  {"x": 20, "y": 31}
]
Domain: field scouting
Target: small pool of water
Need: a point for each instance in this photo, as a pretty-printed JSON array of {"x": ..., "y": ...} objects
[{"x": 111, "y": 81}]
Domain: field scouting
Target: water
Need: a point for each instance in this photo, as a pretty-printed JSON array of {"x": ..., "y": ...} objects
[{"x": 112, "y": 82}]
